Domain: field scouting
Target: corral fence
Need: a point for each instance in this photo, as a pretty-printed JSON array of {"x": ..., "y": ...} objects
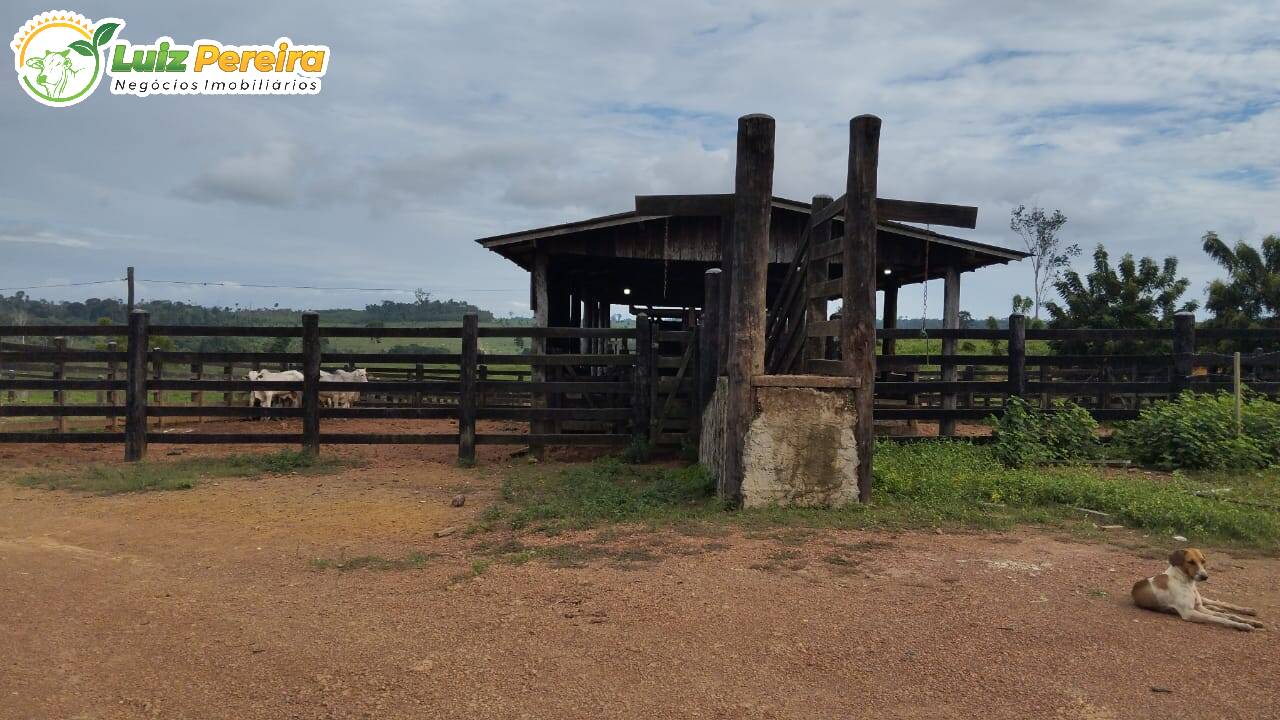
[{"x": 576, "y": 386}]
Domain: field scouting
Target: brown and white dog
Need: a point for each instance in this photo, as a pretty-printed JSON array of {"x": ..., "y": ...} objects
[{"x": 1174, "y": 591}]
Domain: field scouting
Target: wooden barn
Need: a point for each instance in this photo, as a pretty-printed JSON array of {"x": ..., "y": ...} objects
[{"x": 654, "y": 257}]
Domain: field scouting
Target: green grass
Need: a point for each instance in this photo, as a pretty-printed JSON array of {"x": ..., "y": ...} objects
[
  {"x": 412, "y": 561},
  {"x": 930, "y": 484},
  {"x": 178, "y": 474}
]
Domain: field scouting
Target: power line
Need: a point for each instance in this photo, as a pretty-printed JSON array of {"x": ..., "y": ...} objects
[
  {"x": 224, "y": 283},
  {"x": 62, "y": 285}
]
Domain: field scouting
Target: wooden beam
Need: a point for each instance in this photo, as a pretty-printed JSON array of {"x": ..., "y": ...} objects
[
  {"x": 708, "y": 205},
  {"x": 538, "y": 345},
  {"x": 753, "y": 203},
  {"x": 857, "y": 316},
  {"x": 890, "y": 318},
  {"x": 816, "y": 271},
  {"x": 950, "y": 321},
  {"x": 709, "y": 339},
  {"x": 924, "y": 213}
]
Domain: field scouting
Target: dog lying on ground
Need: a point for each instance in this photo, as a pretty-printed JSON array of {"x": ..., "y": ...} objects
[{"x": 1174, "y": 591}]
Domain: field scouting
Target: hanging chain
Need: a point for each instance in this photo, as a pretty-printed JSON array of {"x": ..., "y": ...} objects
[{"x": 924, "y": 310}]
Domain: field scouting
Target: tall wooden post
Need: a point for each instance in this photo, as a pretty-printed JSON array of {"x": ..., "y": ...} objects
[
  {"x": 890, "y": 346},
  {"x": 726, "y": 282},
  {"x": 129, "y": 280},
  {"x": 60, "y": 373},
  {"x": 708, "y": 341},
  {"x": 1017, "y": 355},
  {"x": 467, "y": 389},
  {"x": 311, "y": 383},
  {"x": 1184, "y": 347},
  {"x": 113, "y": 397},
  {"x": 135, "y": 419},
  {"x": 950, "y": 321},
  {"x": 641, "y": 408},
  {"x": 157, "y": 368},
  {"x": 858, "y": 286},
  {"x": 538, "y": 344},
  {"x": 815, "y": 271},
  {"x": 752, "y": 208}
]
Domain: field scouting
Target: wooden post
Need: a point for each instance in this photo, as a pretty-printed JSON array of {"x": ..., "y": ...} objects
[
  {"x": 129, "y": 280},
  {"x": 640, "y": 404},
  {"x": 726, "y": 283},
  {"x": 1184, "y": 347},
  {"x": 815, "y": 272},
  {"x": 157, "y": 397},
  {"x": 950, "y": 321},
  {"x": 576, "y": 345},
  {"x": 538, "y": 345},
  {"x": 311, "y": 383},
  {"x": 135, "y": 419},
  {"x": 708, "y": 341},
  {"x": 858, "y": 286},
  {"x": 418, "y": 376},
  {"x": 1017, "y": 355},
  {"x": 890, "y": 345},
  {"x": 60, "y": 373},
  {"x": 752, "y": 210},
  {"x": 467, "y": 389},
  {"x": 197, "y": 396},
  {"x": 228, "y": 372},
  {"x": 113, "y": 397}
]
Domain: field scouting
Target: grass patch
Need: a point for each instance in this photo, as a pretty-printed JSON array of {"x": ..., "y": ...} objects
[
  {"x": 930, "y": 484},
  {"x": 412, "y": 561},
  {"x": 177, "y": 474}
]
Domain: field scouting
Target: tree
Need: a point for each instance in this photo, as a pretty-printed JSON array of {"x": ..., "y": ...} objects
[
  {"x": 1134, "y": 295},
  {"x": 1250, "y": 294},
  {"x": 1039, "y": 232}
]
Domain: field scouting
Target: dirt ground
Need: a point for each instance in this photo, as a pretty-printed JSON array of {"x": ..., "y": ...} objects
[{"x": 208, "y": 603}]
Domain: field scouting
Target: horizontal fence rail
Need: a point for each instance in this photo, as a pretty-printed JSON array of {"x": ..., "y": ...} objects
[{"x": 588, "y": 393}]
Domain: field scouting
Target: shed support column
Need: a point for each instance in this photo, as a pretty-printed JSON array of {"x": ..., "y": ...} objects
[
  {"x": 753, "y": 202},
  {"x": 538, "y": 345},
  {"x": 950, "y": 321},
  {"x": 726, "y": 282},
  {"x": 858, "y": 286},
  {"x": 815, "y": 272},
  {"x": 890, "y": 318}
]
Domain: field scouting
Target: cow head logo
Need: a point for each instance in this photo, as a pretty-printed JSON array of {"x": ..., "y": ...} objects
[{"x": 59, "y": 56}]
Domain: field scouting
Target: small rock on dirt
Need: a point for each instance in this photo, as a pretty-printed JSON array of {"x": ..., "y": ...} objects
[
  {"x": 458, "y": 500},
  {"x": 444, "y": 532}
]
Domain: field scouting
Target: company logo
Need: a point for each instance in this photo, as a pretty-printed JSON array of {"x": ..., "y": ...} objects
[
  {"x": 59, "y": 56},
  {"x": 62, "y": 56}
]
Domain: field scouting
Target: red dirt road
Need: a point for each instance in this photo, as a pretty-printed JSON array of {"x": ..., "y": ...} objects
[{"x": 204, "y": 604}]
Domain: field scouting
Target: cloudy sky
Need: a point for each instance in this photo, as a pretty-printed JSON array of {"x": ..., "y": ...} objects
[{"x": 441, "y": 122}]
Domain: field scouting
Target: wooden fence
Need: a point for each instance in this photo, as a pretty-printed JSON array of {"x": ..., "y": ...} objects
[
  {"x": 1112, "y": 387},
  {"x": 628, "y": 390}
]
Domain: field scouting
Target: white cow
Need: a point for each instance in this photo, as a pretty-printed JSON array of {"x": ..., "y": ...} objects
[
  {"x": 344, "y": 399},
  {"x": 266, "y": 398}
]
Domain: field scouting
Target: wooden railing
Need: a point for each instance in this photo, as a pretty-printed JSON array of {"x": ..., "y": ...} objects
[{"x": 609, "y": 396}]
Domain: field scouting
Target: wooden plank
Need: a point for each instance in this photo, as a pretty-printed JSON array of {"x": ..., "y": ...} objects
[
  {"x": 708, "y": 341},
  {"x": 950, "y": 321},
  {"x": 396, "y": 439},
  {"x": 924, "y": 213},
  {"x": 705, "y": 205},
  {"x": 240, "y": 411},
  {"x": 311, "y": 384},
  {"x": 57, "y": 411},
  {"x": 942, "y": 333},
  {"x": 135, "y": 423},
  {"x": 64, "y": 330},
  {"x": 560, "y": 413},
  {"x": 1098, "y": 335},
  {"x": 824, "y": 367},
  {"x": 644, "y": 377},
  {"x": 826, "y": 290},
  {"x": 666, "y": 407},
  {"x": 74, "y": 437},
  {"x": 275, "y": 331},
  {"x": 752, "y": 214},
  {"x": 467, "y": 393},
  {"x": 7, "y": 383},
  {"x": 806, "y": 381},
  {"x": 553, "y": 439},
  {"x": 160, "y": 438},
  {"x": 940, "y": 386},
  {"x": 857, "y": 316},
  {"x": 609, "y": 387}
]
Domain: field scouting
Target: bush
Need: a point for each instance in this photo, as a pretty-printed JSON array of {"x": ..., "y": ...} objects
[
  {"x": 1198, "y": 432},
  {"x": 952, "y": 480},
  {"x": 1026, "y": 435}
]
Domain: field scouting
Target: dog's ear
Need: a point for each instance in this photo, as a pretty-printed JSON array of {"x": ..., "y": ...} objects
[{"x": 1177, "y": 557}]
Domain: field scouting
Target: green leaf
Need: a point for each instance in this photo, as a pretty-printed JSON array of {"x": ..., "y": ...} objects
[
  {"x": 103, "y": 34},
  {"x": 82, "y": 47}
]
